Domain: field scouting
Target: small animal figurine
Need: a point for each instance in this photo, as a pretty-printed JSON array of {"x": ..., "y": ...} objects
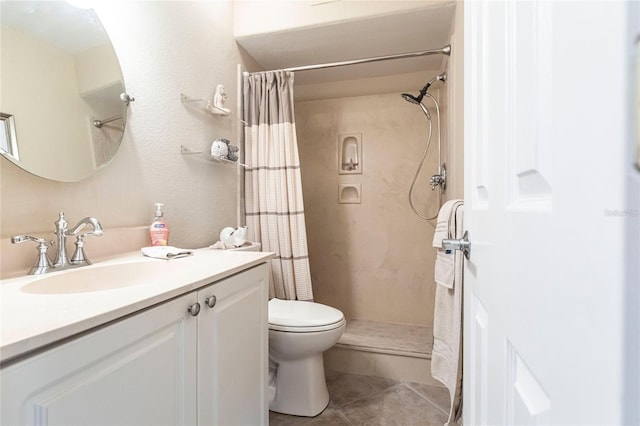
[
  {"x": 232, "y": 155},
  {"x": 219, "y": 99}
]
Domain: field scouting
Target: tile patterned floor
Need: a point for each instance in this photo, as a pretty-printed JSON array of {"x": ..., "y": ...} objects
[{"x": 364, "y": 400}]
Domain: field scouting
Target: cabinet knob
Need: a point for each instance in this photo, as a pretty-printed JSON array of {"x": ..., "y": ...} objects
[
  {"x": 211, "y": 301},
  {"x": 194, "y": 309}
]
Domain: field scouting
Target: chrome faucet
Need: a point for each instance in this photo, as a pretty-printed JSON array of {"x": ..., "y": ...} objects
[
  {"x": 61, "y": 232},
  {"x": 78, "y": 257},
  {"x": 62, "y": 261},
  {"x": 43, "y": 264}
]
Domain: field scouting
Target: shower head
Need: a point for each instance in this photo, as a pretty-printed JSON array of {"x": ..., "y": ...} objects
[
  {"x": 410, "y": 98},
  {"x": 418, "y": 99}
]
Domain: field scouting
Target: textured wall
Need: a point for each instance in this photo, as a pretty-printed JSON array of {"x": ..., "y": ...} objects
[
  {"x": 372, "y": 260},
  {"x": 453, "y": 102},
  {"x": 164, "y": 48}
]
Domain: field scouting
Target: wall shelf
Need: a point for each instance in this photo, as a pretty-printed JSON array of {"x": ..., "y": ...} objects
[
  {"x": 205, "y": 156},
  {"x": 208, "y": 107}
]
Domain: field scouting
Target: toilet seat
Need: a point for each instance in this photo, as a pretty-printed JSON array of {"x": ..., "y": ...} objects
[{"x": 297, "y": 316}]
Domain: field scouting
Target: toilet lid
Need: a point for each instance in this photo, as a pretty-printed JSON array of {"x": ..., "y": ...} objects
[{"x": 290, "y": 314}]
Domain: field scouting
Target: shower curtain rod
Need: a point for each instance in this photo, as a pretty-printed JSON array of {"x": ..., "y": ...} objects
[{"x": 446, "y": 50}]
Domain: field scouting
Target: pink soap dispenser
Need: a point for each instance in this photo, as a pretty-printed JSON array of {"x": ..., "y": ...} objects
[{"x": 159, "y": 229}]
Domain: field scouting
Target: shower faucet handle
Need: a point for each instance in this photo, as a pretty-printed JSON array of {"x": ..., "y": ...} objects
[
  {"x": 435, "y": 181},
  {"x": 440, "y": 179}
]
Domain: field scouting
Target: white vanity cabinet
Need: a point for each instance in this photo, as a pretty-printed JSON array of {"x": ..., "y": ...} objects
[
  {"x": 233, "y": 350},
  {"x": 162, "y": 366}
]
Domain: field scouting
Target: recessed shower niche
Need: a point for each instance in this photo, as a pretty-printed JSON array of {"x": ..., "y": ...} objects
[
  {"x": 349, "y": 193},
  {"x": 350, "y": 154}
]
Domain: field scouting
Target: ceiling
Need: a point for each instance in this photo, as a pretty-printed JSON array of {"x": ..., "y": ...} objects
[
  {"x": 395, "y": 33},
  {"x": 45, "y": 19}
]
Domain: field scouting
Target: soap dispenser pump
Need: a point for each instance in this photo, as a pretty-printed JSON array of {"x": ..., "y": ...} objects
[{"x": 159, "y": 229}]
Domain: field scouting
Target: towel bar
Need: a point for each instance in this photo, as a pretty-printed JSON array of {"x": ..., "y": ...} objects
[{"x": 462, "y": 244}]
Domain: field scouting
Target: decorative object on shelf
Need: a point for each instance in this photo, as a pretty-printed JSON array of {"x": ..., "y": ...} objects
[
  {"x": 220, "y": 148},
  {"x": 223, "y": 150},
  {"x": 218, "y": 101},
  {"x": 350, "y": 154},
  {"x": 232, "y": 155},
  {"x": 212, "y": 158},
  {"x": 231, "y": 238},
  {"x": 217, "y": 107}
]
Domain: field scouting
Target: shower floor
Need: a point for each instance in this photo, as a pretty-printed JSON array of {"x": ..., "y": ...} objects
[{"x": 387, "y": 338}]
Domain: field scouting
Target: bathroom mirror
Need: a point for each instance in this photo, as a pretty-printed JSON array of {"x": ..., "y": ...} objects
[{"x": 59, "y": 74}]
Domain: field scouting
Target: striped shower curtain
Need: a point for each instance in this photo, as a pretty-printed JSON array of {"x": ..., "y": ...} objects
[{"x": 273, "y": 188}]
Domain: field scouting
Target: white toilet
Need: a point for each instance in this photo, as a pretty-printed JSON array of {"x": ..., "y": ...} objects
[{"x": 299, "y": 332}]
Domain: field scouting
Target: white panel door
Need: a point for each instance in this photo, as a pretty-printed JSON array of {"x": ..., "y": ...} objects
[{"x": 546, "y": 128}]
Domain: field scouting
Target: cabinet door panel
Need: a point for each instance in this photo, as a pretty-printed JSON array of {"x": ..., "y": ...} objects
[
  {"x": 138, "y": 371},
  {"x": 233, "y": 351}
]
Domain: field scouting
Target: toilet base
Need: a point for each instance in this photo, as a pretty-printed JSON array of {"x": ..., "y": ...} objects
[{"x": 301, "y": 389}]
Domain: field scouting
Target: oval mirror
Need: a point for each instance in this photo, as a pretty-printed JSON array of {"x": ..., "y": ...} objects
[{"x": 61, "y": 116}]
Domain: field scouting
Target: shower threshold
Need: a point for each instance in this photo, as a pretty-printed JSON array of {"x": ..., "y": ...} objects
[{"x": 387, "y": 338}]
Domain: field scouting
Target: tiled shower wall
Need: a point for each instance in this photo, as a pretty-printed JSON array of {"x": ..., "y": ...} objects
[{"x": 372, "y": 260}]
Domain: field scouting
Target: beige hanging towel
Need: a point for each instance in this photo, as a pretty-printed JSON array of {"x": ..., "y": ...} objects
[{"x": 446, "y": 359}]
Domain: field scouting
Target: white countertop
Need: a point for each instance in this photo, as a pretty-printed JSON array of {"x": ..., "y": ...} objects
[{"x": 29, "y": 321}]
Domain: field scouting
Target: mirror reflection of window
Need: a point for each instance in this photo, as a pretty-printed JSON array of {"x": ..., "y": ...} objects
[{"x": 8, "y": 140}]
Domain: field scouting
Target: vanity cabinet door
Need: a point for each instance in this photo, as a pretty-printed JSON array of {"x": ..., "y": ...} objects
[
  {"x": 233, "y": 350},
  {"x": 138, "y": 371}
]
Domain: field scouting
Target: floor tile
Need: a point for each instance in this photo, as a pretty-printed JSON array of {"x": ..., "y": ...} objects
[
  {"x": 397, "y": 405},
  {"x": 346, "y": 388},
  {"x": 277, "y": 419},
  {"x": 374, "y": 401},
  {"x": 436, "y": 394},
  {"x": 327, "y": 417}
]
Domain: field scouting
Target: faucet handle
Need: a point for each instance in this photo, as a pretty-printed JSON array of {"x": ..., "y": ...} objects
[
  {"x": 18, "y": 239},
  {"x": 43, "y": 264},
  {"x": 79, "y": 257}
]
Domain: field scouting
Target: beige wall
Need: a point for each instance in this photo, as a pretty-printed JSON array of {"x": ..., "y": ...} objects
[
  {"x": 96, "y": 68},
  {"x": 453, "y": 99},
  {"x": 164, "y": 48},
  {"x": 372, "y": 260},
  {"x": 30, "y": 83}
]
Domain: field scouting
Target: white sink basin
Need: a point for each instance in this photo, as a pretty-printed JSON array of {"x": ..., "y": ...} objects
[{"x": 107, "y": 277}]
